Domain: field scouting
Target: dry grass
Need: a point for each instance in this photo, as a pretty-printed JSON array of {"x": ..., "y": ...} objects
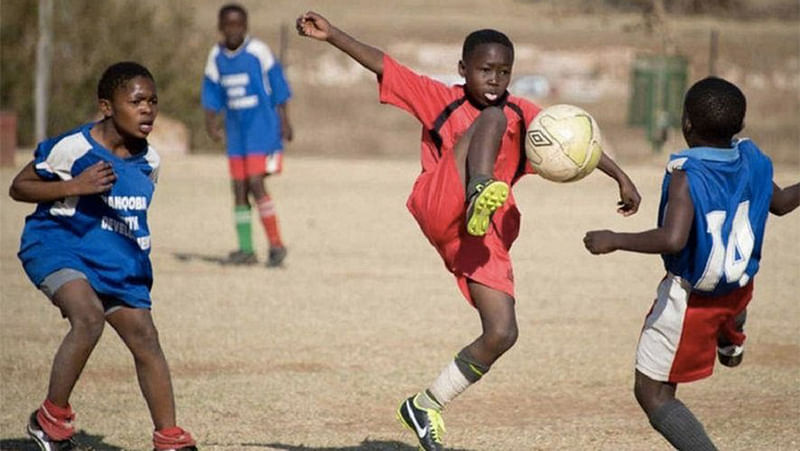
[{"x": 317, "y": 355}]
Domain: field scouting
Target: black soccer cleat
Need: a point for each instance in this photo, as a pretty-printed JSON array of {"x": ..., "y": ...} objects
[
  {"x": 242, "y": 258},
  {"x": 276, "y": 256},
  {"x": 730, "y": 356},
  {"x": 45, "y": 443},
  {"x": 427, "y": 424}
]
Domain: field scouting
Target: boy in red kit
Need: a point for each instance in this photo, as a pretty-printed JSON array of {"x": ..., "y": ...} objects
[{"x": 472, "y": 153}]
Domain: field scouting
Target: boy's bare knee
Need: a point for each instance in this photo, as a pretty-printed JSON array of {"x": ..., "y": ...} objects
[
  {"x": 255, "y": 185},
  {"x": 501, "y": 339},
  {"x": 651, "y": 394},
  {"x": 90, "y": 323},
  {"x": 145, "y": 344}
]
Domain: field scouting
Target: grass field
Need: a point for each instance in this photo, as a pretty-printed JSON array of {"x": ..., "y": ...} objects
[{"x": 317, "y": 355}]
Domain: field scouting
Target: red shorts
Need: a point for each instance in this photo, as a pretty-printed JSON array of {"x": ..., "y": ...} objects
[
  {"x": 679, "y": 340},
  {"x": 438, "y": 204},
  {"x": 242, "y": 167}
]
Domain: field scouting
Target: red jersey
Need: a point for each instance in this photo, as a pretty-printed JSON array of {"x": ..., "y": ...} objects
[{"x": 437, "y": 200}]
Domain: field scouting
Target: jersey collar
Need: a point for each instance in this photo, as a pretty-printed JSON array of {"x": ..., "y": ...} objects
[
  {"x": 234, "y": 52},
  {"x": 711, "y": 153}
]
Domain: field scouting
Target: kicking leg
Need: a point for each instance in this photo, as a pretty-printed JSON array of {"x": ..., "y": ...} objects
[
  {"x": 475, "y": 155},
  {"x": 670, "y": 417}
]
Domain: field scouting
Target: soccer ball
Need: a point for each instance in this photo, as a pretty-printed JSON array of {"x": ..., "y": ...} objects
[{"x": 563, "y": 143}]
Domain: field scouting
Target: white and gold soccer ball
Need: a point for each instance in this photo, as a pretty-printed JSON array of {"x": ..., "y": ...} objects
[{"x": 563, "y": 143}]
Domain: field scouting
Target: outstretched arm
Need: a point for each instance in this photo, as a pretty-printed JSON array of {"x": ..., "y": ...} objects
[
  {"x": 315, "y": 26},
  {"x": 629, "y": 195},
  {"x": 784, "y": 200},
  {"x": 671, "y": 237},
  {"x": 27, "y": 186}
]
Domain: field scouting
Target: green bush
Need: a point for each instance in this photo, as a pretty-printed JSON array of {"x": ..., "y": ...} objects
[{"x": 88, "y": 36}]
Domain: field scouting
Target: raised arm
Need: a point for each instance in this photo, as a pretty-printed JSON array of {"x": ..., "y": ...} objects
[
  {"x": 784, "y": 200},
  {"x": 629, "y": 195},
  {"x": 315, "y": 26},
  {"x": 27, "y": 186},
  {"x": 671, "y": 237}
]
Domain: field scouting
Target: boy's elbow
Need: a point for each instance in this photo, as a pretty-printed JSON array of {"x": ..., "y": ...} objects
[
  {"x": 779, "y": 210},
  {"x": 674, "y": 243},
  {"x": 13, "y": 192}
]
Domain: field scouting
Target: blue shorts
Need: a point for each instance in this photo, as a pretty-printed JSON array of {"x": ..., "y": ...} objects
[{"x": 40, "y": 261}]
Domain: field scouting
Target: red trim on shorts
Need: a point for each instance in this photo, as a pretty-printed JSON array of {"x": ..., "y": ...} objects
[
  {"x": 704, "y": 319},
  {"x": 236, "y": 167},
  {"x": 254, "y": 165}
]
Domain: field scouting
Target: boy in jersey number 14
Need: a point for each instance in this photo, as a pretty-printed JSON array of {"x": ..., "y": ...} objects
[
  {"x": 245, "y": 81},
  {"x": 87, "y": 248},
  {"x": 715, "y": 199},
  {"x": 472, "y": 153}
]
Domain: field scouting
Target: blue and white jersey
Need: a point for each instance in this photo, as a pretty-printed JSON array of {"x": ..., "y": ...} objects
[
  {"x": 105, "y": 236},
  {"x": 248, "y": 84},
  {"x": 731, "y": 190}
]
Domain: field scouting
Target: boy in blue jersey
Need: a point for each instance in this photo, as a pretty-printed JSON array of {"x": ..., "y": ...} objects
[
  {"x": 244, "y": 81},
  {"x": 87, "y": 247},
  {"x": 715, "y": 199}
]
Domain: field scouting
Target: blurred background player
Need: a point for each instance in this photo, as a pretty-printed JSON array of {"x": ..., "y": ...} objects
[
  {"x": 87, "y": 247},
  {"x": 715, "y": 199},
  {"x": 471, "y": 155},
  {"x": 245, "y": 81}
]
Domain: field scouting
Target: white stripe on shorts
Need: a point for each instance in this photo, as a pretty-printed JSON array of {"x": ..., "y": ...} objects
[
  {"x": 662, "y": 330},
  {"x": 274, "y": 163}
]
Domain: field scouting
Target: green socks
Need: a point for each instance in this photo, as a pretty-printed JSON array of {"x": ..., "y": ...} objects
[{"x": 241, "y": 214}]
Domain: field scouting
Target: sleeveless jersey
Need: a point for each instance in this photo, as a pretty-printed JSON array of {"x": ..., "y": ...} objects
[
  {"x": 731, "y": 190},
  {"x": 105, "y": 236},
  {"x": 248, "y": 84}
]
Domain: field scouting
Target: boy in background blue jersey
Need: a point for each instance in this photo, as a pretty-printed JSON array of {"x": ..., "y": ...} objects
[
  {"x": 245, "y": 81},
  {"x": 715, "y": 199},
  {"x": 87, "y": 247}
]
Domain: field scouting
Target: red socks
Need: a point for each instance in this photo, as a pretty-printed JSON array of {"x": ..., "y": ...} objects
[
  {"x": 56, "y": 421},
  {"x": 269, "y": 217},
  {"x": 172, "y": 438}
]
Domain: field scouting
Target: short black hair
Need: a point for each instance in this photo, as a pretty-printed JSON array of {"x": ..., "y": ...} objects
[
  {"x": 716, "y": 108},
  {"x": 232, "y": 7},
  {"x": 117, "y": 75},
  {"x": 485, "y": 36}
]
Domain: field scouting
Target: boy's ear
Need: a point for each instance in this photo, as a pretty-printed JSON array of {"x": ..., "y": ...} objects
[
  {"x": 462, "y": 69},
  {"x": 105, "y": 107},
  {"x": 686, "y": 124}
]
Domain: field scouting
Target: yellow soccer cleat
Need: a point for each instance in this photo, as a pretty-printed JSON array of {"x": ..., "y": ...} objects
[
  {"x": 488, "y": 197},
  {"x": 427, "y": 424}
]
